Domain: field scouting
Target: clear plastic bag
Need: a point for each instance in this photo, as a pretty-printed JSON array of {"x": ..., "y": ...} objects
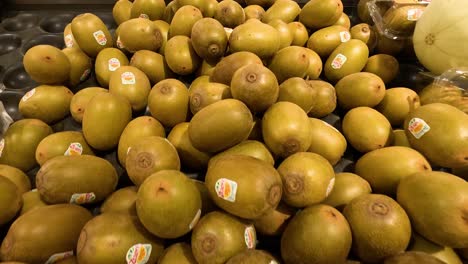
[
  {"x": 5, "y": 119},
  {"x": 396, "y": 19},
  {"x": 451, "y": 87}
]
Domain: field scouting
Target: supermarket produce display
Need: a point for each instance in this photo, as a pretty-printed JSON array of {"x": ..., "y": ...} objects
[{"x": 235, "y": 131}]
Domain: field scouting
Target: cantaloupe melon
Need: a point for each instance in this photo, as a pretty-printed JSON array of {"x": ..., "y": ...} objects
[{"x": 441, "y": 35}]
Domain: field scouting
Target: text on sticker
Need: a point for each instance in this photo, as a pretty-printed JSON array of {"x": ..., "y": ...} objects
[
  {"x": 226, "y": 189},
  {"x": 338, "y": 61},
  {"x": 100, "y": 37},
  {"x": 82, "y": 198},
  {"x": 195, "y": 219},
  {"x": 114, "y": 64},
  {"x": 2, "y": 146},
  {"x": 69, "y": 41},
  {"x": 418, "y": 127},
  {"x": 345, "y": 36},
  {"x": 74, "y": 149},
  {"x": 128, "y": 78},
  {"x": 250, "y": 237},
  {"x": 139, "y": 254},
  {"x": 59, "y": 256},
  {"x": 414, "y": 14},
  {"x": 28, "y": 95}
]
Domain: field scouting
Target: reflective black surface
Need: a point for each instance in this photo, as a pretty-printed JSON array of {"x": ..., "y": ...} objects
[
  {"x": 9, "y": 42},
  {"x": 17, "y": 78},
  {"x": 56, "y": 24},
  {"x": 20, "y": 22},
  {"x": 10, "y": 101},
  {"x": 49, "y": 39}
]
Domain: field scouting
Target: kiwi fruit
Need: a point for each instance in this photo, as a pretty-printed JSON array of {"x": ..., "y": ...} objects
[
  {"x": 325, "y": 102},
  {"x": 204, "y": 93},
  {"x": 254, "y": 11},
  {"x": 274, "y": 221},
  {"x": 184, "y": 19},
  {"x": 220, "y": 125},
  {"x": 72, "y": 179},
  {"x": 140, "y": 34},
  {"x": 299, "y": 33},
  {"x": 132, "y": 84},
  {"x": 318, "y": 14},
  {"x": 149, "y": 155},
  {"x": 190, "y": 157},
  {"x": 360, "y": 89},
  {"x": 229, "y": 13},
  {"x": 31, "y": 201},
  {"x": 365, "y": 33},
  {"x": 280, "y": 63},
  {"x": 80, "y": 66},
  {"x": 63, "y": 228},
  {"x": 177, "y": 253},
  {"x": 107, "y": 62},
  {"x": 66, "y": 143},
  {"x": 19, "y": 178},
  {"x": 49, "y": 103},
  {"x": 327, "y": 141},
  {"x": 251, "y": 148},
  {"x": 91, "y": 34},
  {"x": 163, "y": 194},
  {"x": 326, "y": 231},
  {"x": 413, "y": 257},
  {"x": 348, "y": 186},
  {"x": 47, "y": 64},
  {"x": 286, "y": 129},
  {"x": 286, "y": 11},
  {"x": 19, "y": 143},
  {"x": 140, "y": 127},
  {"x": 366, "y": 138},
  {"x": 148, "y": 9},
  {"x": 220, "y": 236},
  {"x": 256, "y": 86},
  {"x": 68, "y": 38},
  {"x": 121, "y": 11},
  {"x": 168, "y": 102},
  {"x": 153, "y": 64},
  {"x": 255, "y": 36},
  {"x": 163, "y": 27},
  {"x": 385, "y": 66},
  {"x": 376, "y": 215},
  {"x": 228, "y": 65},
  {"x": 180, "y": 55},
  {"x": 252, "y": 256},
  {"x": 230, "y": 180},
  {"x": 122, "y": 200},
  {"x": 104, "y": 120},
  {"x": 80, "y": 101},
  {"x": 284, "y": 31},
  {"x": 297, "y": 90},
  {"x": 325, "y": 40},
  {"x": 308, "y": 179},
  {"x": 344, "y": 21},
  {"x": 209, "y": 39},
  {"x": 11, "y": 200},
  {"x": 397, "y": 103},
  {"x": 116, "y": 238}
]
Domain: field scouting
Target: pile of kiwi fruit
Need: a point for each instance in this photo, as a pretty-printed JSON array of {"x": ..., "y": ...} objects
[{"x": 261, "y": 100}]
